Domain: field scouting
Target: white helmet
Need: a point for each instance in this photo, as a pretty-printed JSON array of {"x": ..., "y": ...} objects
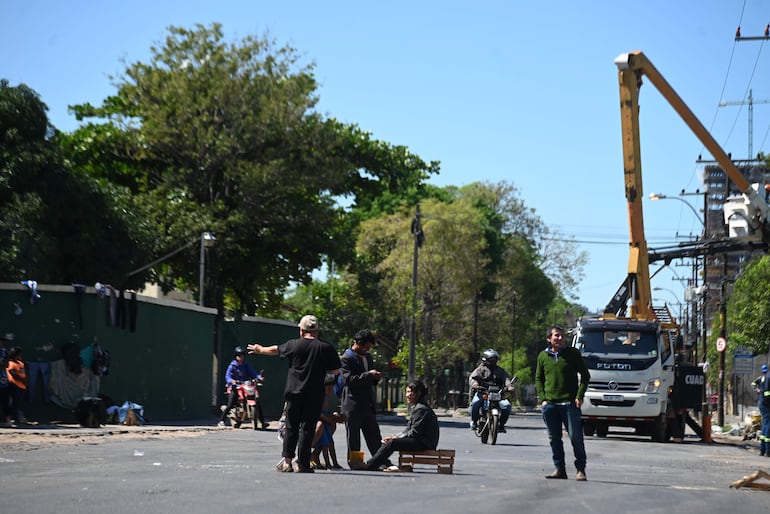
[{"x": 490, "y": 357}]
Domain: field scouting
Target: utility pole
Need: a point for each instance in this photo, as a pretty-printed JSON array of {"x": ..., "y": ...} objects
[
  {"x": 705, "y": 415},
  {"x": 750, "y": 102},
  {"x": 738, "y": 38},
  {"x": 419, "y": 237},
  {"x": 722, "y": 334},
  {"x": 513, "y": 334}
]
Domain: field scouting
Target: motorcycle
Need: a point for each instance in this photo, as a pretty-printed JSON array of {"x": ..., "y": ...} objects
[
  {"x": 247, "y": 406},
  {"x": 488, "y": 425}
]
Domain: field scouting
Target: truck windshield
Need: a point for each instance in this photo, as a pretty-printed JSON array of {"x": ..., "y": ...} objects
[{"x": 619, "y": 342}]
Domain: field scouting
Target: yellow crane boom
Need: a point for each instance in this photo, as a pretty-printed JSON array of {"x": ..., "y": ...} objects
[{"x": 631, "y": 67}]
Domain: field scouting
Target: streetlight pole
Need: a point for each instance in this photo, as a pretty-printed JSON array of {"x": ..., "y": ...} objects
[
  {"x": 419, "y": 237},
  {"x": 705, "y": 417},
  {"x": 674, "y": 295},
  {"x": 661, "y": 196},
  {"x": 207, "y": 240}
]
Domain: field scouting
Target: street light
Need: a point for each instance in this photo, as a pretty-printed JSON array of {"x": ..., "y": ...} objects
[
  {"x": 676, "y": 302},
  {"x": 706, "y": 419},
  {"x": 207, "y": 241},
  {"x": 661, "y": 196},
  {"x": 664, "y": 289}
]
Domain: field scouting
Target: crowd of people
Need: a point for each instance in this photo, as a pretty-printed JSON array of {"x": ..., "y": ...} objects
[{"x": 317, "y": 375}]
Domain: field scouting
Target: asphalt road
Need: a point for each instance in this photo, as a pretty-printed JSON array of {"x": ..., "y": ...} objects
[{"x": 226, "y": 470}]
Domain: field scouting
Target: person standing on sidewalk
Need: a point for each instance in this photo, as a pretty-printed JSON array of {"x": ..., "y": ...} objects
[
  {"x": 310, "y": 360},
  {"x": 556, "y": 379},
  {"x": 358, "y": 400},
  {"x": 761, "y": 385}
]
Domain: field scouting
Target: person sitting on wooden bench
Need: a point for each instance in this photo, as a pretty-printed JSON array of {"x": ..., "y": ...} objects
[{"x": 421, "y": 431}]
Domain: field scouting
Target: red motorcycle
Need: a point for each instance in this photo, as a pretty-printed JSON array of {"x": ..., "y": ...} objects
[{"x": 247, "y": 405}]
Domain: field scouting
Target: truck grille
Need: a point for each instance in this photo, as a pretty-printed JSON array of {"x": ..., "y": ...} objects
[
  {"x": 615, "y": 386},
  {"x": 601, "y": 403}
]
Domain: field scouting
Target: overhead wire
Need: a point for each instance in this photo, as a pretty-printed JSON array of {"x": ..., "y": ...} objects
[{"x": 721, "y": 95}]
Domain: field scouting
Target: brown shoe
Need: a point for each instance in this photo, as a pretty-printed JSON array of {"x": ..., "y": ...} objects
[
  {"x": 581, "y": 476},
  {"x": 559, "y": 474}
]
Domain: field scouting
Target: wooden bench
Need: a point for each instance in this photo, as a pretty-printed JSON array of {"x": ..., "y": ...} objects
[{"x": 444, "y": 460}]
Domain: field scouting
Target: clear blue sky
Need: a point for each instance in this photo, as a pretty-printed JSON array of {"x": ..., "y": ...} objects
[{"x": 524, "y": 92}]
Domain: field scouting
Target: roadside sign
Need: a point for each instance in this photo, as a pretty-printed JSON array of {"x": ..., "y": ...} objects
[
  {"x": 744, "y": 364},
  {"x": 744, "y": 361},
  {"x": 721, "y": 344}
]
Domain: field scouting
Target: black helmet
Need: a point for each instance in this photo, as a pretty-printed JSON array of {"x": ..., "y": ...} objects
[
  {"x": 239, "y": 350},
  {"x": 490, "y": 357}
]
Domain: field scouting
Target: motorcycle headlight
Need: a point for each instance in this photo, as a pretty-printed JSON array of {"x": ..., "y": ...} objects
[{"x": 653, "y": 386}]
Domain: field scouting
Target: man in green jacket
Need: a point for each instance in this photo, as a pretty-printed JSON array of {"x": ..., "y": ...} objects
[{"x": 556, "y": 379}]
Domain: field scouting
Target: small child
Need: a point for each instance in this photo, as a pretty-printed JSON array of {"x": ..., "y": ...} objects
[
  {"x": 323, "y": 440},
  {"x": 17, "y": 378}
]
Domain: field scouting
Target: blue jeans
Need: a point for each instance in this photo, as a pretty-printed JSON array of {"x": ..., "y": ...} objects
[
  {"x": 33, "y": 370},
  {"x": 556, "y": 416},
  {"x": 764, "y": 435},
  {"x": 505, "y": 409}
]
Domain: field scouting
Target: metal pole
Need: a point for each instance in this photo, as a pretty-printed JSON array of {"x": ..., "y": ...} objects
[
  {"x": 513, "y": 334},
  {"x": 703, "y": 313},
  {"x": 202, "y": 273},
  {"x": 722, "y": 333},
  {"x": 418, "y": 238}
]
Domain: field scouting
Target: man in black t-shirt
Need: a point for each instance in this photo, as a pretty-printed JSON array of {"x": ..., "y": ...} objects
[{"x": 310, "y": 360}]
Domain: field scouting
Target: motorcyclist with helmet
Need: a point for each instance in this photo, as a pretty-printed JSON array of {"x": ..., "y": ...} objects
[
  {"x": 486, "y": 374},
  {"x": 239, "y": 371}
]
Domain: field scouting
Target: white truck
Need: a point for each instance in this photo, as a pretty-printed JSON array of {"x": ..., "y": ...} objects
[
  {"x": 632, "y": 349},
  {"x": 636, "y": 379}
]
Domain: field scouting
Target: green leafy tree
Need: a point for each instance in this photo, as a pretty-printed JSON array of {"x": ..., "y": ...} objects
[
  {"x": 748, "y": 308},
  {"x": 480, "y": 282},
  {"x": 57, "y": 226},
  {"x": 223, "y": 137}
]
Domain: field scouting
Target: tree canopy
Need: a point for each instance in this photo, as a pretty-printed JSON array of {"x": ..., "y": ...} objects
[
  {"x": 57, "y": 227},
  {"x": 223, "y": 137},
  {"x": 748, "y": 308}
]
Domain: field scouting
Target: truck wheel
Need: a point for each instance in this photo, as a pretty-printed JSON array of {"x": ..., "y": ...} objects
[
  {"x": 660, "y": 429},
  {"x": 602, "y": 429},
  {"x": 589, "y": 428}
]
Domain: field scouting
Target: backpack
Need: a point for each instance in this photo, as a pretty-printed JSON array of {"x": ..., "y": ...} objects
[{"x": 339, "y": 385}]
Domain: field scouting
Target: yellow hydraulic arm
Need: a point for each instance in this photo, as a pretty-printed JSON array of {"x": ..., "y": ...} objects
[{"x": 631, "y": 67}]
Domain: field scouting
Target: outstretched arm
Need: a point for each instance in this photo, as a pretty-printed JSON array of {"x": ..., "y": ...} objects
[{"x": 258, "y": 349}]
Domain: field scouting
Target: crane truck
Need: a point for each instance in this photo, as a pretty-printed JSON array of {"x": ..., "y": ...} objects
[{"x": 633, "y": 349}]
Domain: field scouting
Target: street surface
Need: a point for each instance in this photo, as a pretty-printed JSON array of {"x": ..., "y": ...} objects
[{"x": 204, "y": 470}]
